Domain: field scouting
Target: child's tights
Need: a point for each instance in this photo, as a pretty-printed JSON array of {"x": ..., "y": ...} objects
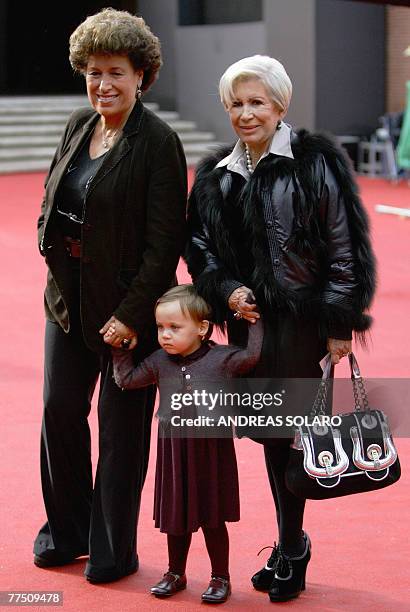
[{"x": 217, "y": 544}]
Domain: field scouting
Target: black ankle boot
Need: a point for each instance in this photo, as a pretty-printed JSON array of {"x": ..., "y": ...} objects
[
  {"x": 263, "y": 579},
  {"x": 290, "y": 572}
]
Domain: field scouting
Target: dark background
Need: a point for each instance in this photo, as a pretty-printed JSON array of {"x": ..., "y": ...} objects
[
  {"x": 34, "y": 40},
  {"x": 34, "y": 44}
]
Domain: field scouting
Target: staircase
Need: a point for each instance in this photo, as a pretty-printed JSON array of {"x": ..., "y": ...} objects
[{"x": 30, "y": 129}]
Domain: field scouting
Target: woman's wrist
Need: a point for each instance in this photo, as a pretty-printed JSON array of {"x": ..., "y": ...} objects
[
  {"x": 242, "y": 302},
  {"x": 227, "y": 287}
]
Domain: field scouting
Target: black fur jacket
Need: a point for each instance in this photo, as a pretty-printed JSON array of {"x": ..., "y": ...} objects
[{"x": 296, "y": 233}]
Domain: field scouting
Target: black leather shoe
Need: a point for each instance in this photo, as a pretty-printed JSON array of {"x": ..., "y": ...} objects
[
  {"x": 290, "y": 573},
  {"x": 170, "y": 584},
  {"x": 263, "y": 579},
  {"x": 52, "y": 558},
  {"x": 218, "y": 590}
]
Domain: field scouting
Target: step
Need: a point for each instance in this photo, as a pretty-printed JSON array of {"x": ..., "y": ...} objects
[
  {"x": 17, "y": 112},
  {"x": 27, "y": 153},
  {"x": 39, "y": 101},
  {"x": 182, "y": 126},
  {"x": 41, "y": 119},
  {"x": 61, "y": 117},
  {"x": 6, "y": 120},
  {"x": 195, "y": 136},
  {"x": 31, "y": 127},
  {"x": 60, "y": 109},
  {"x": 54, "y": 102},
  {"x": 167, "y": 116},
  {"x": 24, "y": 165},
  {"x": 194, "y": 148},
  {"x": 41, "y": 140},
  {"x": 31, "y": 130}
]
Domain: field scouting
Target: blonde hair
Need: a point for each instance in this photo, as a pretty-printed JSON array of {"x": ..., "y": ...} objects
[
  {"x": 112, "y": 32},
  {"x": 267, "y": 69},
  {"x": 190, "y": 302}
]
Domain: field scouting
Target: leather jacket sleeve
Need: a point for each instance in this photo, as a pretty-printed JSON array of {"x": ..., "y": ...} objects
[
  {"x": 341, "y": 282},
  {"x": 211, "y": 277}
]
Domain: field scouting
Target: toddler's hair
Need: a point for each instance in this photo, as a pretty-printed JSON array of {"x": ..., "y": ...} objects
[{"x": 191, "y": 303}]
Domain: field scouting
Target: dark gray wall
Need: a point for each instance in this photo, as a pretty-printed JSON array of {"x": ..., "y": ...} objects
[
  {"x": 333, "y": 50},
  {"x": 162, "y": 19},
  {"x": 350, "y": 66},
  {"x": 203, "y": 53},
  {"x": 212, "y": 12},
  {"x": 290, "y": 38}
]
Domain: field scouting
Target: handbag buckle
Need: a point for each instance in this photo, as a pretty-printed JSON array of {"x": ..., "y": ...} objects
[
  {"x": 374, "y": 451},
  {"x": 325, "y": 459}
]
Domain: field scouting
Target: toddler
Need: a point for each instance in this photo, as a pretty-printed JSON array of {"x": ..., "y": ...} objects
[{"x": 196, "y": 481}]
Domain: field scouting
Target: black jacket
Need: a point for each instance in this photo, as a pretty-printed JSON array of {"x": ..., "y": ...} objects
[
  {"x": 134, "y": 227},
  {"x": 296, "y": 233}
]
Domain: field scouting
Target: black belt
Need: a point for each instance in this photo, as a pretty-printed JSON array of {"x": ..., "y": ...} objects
[{"x": 73, "y": 246}]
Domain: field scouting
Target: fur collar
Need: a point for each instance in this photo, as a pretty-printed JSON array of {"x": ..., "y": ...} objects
[{"x": 305, "y": 147}]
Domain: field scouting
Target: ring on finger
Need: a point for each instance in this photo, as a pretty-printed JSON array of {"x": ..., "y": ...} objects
[
  {"x": 125, "y": 343},
  {"x": 237, "y": 315}
]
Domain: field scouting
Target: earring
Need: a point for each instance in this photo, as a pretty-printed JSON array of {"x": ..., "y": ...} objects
[
  {"x": 138, "y": 93},
  {"x": 279, "y": 125}
]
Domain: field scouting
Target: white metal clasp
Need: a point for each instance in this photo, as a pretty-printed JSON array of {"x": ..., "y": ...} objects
[
  {"x": 374, "y": 451},
  {"x": 331, "y": 466}
]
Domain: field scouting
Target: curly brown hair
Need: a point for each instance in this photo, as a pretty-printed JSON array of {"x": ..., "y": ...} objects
[{"x": 112, "y": 32}]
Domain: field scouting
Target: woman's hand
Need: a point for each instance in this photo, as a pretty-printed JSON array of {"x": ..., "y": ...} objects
[
  {"x": 338, "y": 349},
  {"x": 240, "y": 301},
  {"x": 115, "y": 333}
]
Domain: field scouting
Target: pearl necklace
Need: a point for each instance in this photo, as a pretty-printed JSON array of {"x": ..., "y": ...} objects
[
  {"x": 249, "y": 163},
  {"x": 107, "y": 138}
]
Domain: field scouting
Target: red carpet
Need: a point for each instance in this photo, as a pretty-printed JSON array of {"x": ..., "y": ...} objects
[{"x": 360, "y": 544}]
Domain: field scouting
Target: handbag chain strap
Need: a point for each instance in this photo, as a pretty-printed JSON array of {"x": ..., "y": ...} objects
[
  {"x": 359, "y": 391},
  {"x": 319, "y": 405}
]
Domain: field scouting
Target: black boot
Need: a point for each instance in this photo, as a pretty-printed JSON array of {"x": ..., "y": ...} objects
[
  {"x": 290, "y": 572},
  {"x": 263, "y": 579}
]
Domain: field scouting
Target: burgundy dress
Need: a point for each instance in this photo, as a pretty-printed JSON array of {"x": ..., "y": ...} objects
[{"x": 196, "y": 479}]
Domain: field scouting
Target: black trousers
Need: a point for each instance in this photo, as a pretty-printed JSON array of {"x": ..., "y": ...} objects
[
  {"x": 81, "y": 519},
  {"x": 291, "y": 349}
]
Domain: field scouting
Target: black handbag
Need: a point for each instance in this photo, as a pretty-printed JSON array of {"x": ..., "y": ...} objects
[{"x": 354, "y": 456}]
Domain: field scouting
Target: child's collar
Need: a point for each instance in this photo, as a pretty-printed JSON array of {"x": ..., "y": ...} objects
[{"x": 200, "y": 352}]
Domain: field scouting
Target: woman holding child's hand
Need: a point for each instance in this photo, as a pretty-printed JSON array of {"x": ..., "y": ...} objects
[
  {"x": 241, "y": 301},
  {"x": 276, "y": 219},
  {"x": 111, "y": 230},
  {"x": 117, "y": 334}
]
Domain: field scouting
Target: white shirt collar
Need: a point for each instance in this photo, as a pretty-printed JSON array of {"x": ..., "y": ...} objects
[{"x": 280, "y": 145}]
